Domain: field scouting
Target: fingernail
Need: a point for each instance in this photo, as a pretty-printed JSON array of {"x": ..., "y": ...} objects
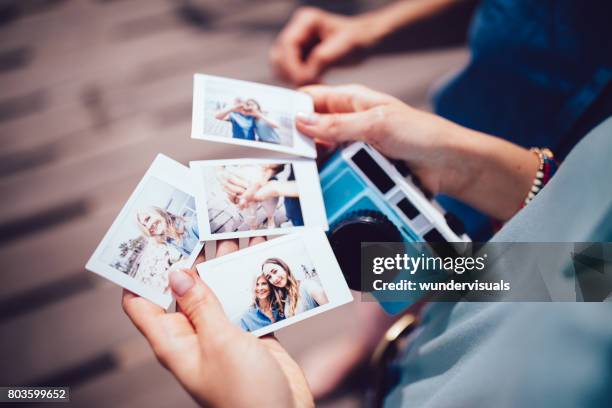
[
  {"x": 180, "y": 282},
  {"x": 307, "y": 118}
]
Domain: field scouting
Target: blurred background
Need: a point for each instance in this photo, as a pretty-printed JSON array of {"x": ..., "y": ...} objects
[{"x": 90, "y": 92}]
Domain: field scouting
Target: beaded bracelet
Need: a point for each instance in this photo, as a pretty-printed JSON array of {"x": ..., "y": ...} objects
[{"x": 548, "y": 167}]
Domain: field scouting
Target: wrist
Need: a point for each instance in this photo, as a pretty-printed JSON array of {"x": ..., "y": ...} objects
[
  {"x": 373, "y": 28},
  {"x": 461, "y": 155}
]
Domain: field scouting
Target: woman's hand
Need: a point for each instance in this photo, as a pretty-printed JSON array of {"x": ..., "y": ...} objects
[
  {"x": 353, "y": 112},
  {"x": 481, "y": 170},
  {"x": 233, "y": 185},
  {"x": 314, "y": 39},
  {"x": 215, "y": 361},
  {"x": 331, "y": 37}
]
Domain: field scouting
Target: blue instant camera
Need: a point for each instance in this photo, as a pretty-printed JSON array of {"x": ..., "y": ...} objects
[{"x": 368, "y": 199}]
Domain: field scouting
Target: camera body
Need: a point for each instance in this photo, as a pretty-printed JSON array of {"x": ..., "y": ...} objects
[{"x": 370, "y": 199}]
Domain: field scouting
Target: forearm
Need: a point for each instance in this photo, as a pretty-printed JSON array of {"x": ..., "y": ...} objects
[
  {"x": 488, "y": 173},
  {"x": 399, "y": 14},
  {"x": 223, "y": 113},
  {"x": 286, "y": 189}
]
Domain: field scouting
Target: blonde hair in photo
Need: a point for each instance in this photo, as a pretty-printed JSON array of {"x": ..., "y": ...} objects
[
  {"x": 290, "y": 293},
  {"x": 171, "y": 220},
  {"x": 273, "y": 296}
]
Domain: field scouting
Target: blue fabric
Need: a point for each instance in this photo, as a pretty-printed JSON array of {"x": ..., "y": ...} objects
[
  {"x": 536, "y": 67},
  {"x": 266, "y": 133},
  {"x": 254, "y": 319},
  {"x": 525, "y": 354},
  {"x": 190, "y": 238},
  {"x": 305, "y": 301},
  {"x": 243, "y": 126},
  {"x": 293, "y": 209}
]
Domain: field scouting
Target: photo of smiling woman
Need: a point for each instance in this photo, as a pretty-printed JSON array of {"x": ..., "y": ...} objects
[
  {"x": 265, "y": 309},
  {"x": 296, "y": 296},
  {"x": 158, "y": 232},
  {"x": 181, "y": 233}
]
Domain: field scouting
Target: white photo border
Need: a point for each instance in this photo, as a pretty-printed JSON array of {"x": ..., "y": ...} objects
[
  {"x": 176, "y": 175},
  {"x": 319, "y": 252},
  {"x": 309, "y": 188},
  {"x": 302, "y": 145}
]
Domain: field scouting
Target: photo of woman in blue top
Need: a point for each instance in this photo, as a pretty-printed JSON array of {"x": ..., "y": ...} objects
[
  {"x": 249, "y": 122},
  {"x": 181, "y": 233},
  {"x": 265, "y": 307},
  {"x": 296, "y": 296}
]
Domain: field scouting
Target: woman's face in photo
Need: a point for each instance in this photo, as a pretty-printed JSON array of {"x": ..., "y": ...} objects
[
  {"x": 262, "y": 289},
  {"x": 152, "y": 222},
  {"x": 275, "y": 274}
]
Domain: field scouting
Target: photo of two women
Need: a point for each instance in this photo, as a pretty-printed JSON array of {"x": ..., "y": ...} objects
[
  {"x": 246, "y": 113},
  {"x": 278, "y": 294}
]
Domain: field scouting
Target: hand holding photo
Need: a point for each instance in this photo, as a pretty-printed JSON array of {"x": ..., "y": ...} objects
[
  {"x": 251, "y": 197},
  {"x": 156, "y": 230},
  {"x": 277, "y": 283},
  {"x": 249, "y": 114}
]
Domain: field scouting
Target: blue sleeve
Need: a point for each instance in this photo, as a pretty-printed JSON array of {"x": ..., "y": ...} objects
[{"x": 243, "y": 325}]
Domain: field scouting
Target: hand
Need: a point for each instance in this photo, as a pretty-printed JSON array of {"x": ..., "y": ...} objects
[
  {"x": 353, "y": 112},
  {"x": 268, "y": 190},
  {"x": 215, "y": 361},
  {"x": 484, "y": 171},
  {"x": 239, "y": 107},
  {"x": 233, "y": 185},
  {"x": 333, "y": 36}
]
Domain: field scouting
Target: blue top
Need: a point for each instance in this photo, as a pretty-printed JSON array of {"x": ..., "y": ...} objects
[
  {"x": 525, "y": 354},
  {"x": 305, "y": 301},
  {"x": 540, "y": 74},
  {"x": 266, "y": 133},
  {"x": 293, "y": 209},
  {"x": 191, "y": 237},
  {"x": 254, "y": 319},
  {"x": 243, "y": 126}
]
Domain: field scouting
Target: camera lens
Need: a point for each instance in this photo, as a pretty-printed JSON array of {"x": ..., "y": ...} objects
[{"x": 347, "y": 235}]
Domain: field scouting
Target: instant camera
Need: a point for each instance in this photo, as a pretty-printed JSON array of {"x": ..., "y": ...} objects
[{"x": 370, "y": 199}]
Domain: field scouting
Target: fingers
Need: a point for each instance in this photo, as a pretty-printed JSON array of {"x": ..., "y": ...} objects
[
  {"x": 366, "y": 126},
  {"x": 286, "y": 55},
  {"x": 232, "y": 189},
  {"x": 327, "y": 52},
  {"x": 157, "y": 326},
  {"x": 226, "y": 246},
  {"x": 237, "y": 181},
  {"x": 197, "y": 301},
  {"x": 256, "y": 240},
  {"x": 345, "y": 98}
]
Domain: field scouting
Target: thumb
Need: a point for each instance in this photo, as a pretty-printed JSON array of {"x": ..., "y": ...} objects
[
  {"x": 341, "y": 127},
  {"x": 197, "y": 301},
  {"x": 328, "y": 52}
]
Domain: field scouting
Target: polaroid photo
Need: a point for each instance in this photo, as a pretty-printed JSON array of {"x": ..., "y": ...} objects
[
  {"x": 157, "y": 230},
  {"x": 250, "y": 114},
  {"x": 253, "y": 197},
  {"x": 277, "y": 283}
]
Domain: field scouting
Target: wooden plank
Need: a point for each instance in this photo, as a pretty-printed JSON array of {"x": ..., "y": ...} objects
[
  {"x": 144, "y": 385},
  {"x": 56, "y": 253},
  {"x": 62, "y": 335}
]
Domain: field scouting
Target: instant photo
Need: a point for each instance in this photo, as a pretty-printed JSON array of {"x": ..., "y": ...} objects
[
  {"x": 277, "y": 283},
  {"x": 157, "y": 230},
  {"x": 249, "y": 114},
  {"x": 255, "y": 197}
]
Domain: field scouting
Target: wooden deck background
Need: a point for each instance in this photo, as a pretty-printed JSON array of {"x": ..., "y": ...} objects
[{"x": 90, "y": 92}]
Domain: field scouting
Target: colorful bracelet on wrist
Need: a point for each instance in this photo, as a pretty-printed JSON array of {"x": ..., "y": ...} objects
[{"x": 547, "y": 168}]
